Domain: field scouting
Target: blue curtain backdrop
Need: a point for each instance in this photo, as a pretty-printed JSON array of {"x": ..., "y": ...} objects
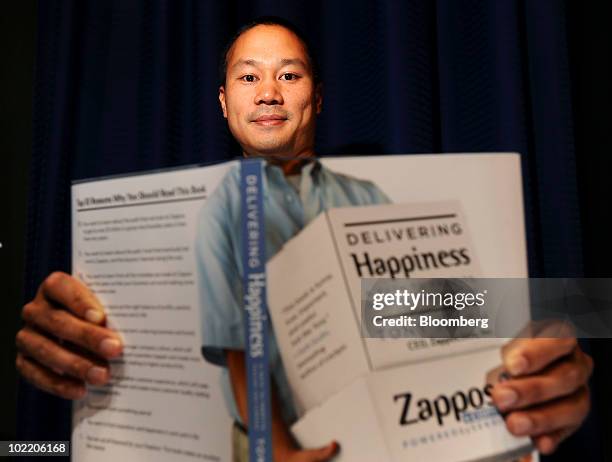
[{"x": 122, "y": 86}]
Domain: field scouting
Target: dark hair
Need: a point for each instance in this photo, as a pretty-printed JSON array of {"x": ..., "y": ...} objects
[{"x": 269, "y": 21}]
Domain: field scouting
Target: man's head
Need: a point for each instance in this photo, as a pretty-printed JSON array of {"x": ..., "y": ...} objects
[{"x": 270, "y": 93}]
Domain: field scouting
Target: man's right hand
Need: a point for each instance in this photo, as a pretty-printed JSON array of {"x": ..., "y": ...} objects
[{"x": 64, "y": 343}]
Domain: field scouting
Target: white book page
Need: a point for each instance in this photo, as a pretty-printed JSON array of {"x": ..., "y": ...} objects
[
  {"x": 133, "y": 245},
  {"x": 314, "y": 324}
]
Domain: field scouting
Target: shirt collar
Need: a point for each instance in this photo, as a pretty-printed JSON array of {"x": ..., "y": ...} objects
[{"x": 274, "y": 174}]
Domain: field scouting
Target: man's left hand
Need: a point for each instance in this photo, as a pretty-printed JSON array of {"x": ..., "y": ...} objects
[{"x": 547, "y": 395}]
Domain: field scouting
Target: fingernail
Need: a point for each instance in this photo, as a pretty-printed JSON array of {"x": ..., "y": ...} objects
[
  {"x": 505, "y": 397},
  {"x": 521, "y": 424},
  {"x": 97, "y": 375},
  {"x": 95, "y": 316},
  {"x": 110, "y": 347},
  {"x": 516, "y": 364}
]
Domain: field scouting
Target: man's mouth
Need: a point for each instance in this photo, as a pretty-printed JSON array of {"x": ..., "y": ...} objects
[{"x": 270, "y": 120}]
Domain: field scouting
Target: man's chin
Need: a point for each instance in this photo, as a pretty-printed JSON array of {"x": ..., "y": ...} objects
[{"x": 271, "y": 152}]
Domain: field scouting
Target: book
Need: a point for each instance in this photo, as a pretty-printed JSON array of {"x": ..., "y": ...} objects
[
  {"x": 134, "y": 244},
  {"x": 316, "y": 306}
]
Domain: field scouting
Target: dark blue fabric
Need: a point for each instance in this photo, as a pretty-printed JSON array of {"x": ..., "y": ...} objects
[{"x": 127, "y": 85}]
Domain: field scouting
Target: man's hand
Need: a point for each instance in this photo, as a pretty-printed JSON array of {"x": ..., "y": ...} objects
[
  {"x": 64, "y": 343},
  {"x": 547, "y": 396}
]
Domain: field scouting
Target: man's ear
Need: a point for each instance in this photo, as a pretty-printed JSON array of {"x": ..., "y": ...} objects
[
  {"x": 222, "y": 100},
  {"x": 319, "y": 98}
]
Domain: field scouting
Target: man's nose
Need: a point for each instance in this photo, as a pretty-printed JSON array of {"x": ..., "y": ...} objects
[{"x": 268, "y": 92}]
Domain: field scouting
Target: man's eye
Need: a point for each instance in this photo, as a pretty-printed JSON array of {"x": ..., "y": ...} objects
[
  {"x": 289, "y": 76},
  {"x": 248, "y": 78}
]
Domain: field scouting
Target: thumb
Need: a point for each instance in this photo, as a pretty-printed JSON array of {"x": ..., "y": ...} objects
[{"x": 322, "y": 454}]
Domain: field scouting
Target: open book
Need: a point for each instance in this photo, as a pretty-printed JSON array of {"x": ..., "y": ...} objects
[{"x": 135, "y": 243}]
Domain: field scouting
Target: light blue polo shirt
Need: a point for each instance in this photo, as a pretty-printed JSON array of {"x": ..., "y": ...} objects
[{"x": 219, "y": 243}]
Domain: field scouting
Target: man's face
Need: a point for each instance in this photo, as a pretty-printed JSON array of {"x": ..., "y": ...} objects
[{"x": 269, "y": 98}]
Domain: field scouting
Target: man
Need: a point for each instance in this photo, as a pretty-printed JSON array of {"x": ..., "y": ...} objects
[
  {"x": 270, "y": 123},
  {"x": 270, "y": 97}
]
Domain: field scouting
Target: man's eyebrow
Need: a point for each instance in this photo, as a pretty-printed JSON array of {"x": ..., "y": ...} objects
[
  {"x": 245, "y": 62},
  {"x": 290, "y": 61}
]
